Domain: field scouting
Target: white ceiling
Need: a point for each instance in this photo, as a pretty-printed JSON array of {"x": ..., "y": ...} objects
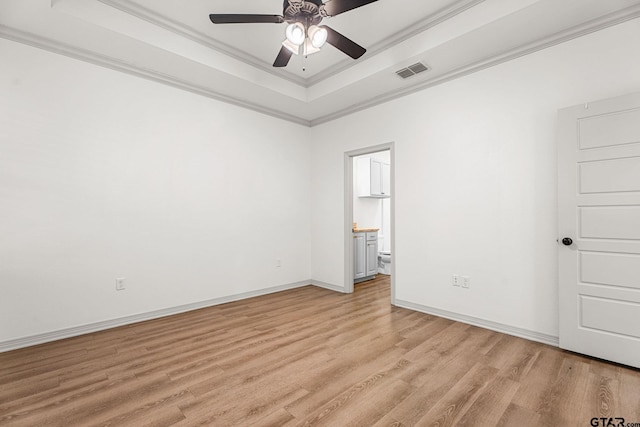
[{"x": 174, "y": 42}]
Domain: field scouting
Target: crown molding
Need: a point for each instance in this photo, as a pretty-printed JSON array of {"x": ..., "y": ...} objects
[
  {"x": 181, "y": 30},
  {"x": 175, "y": 27},
  {"x": 419, "y": 27},
  {"x": 589, "y": 27},
  {"x": 129, "y": 68}
]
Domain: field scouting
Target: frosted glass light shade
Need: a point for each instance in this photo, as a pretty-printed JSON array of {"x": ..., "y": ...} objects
[
  {"x": 308, "y": 48},
  {"x": 295, "y": 33},
  {"x": 295, "y": 49},
  {"x": 318, "y": 36}
]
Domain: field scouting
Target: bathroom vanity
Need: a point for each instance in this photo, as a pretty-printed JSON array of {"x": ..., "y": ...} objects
[{"x": 365, "y": 254}]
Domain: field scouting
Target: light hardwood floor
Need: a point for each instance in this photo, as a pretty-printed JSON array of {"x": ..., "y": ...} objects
[{"x": 309, "y": 356}]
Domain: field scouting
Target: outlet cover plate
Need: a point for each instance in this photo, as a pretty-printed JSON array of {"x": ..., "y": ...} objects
[{"x": 466, "y": 281}]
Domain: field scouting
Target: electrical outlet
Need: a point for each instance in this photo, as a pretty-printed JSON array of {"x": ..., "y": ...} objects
[
  {"x": 120, "y": 284},
  {"x": 466, "y": 281},
  {"x": 455, "y": 280}
]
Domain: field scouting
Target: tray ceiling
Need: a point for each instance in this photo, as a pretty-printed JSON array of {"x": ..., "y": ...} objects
[{"x": 175, "y": 43}]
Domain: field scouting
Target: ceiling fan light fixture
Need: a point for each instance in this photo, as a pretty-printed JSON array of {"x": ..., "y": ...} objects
[
  {"x": 308, "y": 48},
  {"x": 318, "y": 36},
  {"x": 295, "y": 33},
  {"x": 293, "y": 48},
  {"x": 304, "y": 35}
]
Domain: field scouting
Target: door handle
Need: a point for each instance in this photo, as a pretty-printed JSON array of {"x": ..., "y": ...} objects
[{"x": 567, "y": 241}]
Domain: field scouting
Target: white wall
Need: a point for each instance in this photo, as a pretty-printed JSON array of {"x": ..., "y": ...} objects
[
  {"x": 475, "y": 179},
  {"x": 105, "y": 175}
]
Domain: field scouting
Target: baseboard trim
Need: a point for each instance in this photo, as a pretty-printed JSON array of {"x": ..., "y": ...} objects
[
  {"x": 329, "y": 286},
  {"x": 32, "y": 340},
  {"x": 487, "y": 324}
]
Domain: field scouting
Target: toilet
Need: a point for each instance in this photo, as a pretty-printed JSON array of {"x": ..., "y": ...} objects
[{"x": 384, "y": 262}]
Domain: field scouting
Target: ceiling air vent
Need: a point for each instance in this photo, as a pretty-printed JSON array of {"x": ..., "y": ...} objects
[{"x": 412, "y": 70}]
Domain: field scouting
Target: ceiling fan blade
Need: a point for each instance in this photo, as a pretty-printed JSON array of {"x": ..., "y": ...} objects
[
  {"x": 344, "y": 44},
  {"x": 231, "y": 18},
  {"x": 283, "y": 57},
  {"x": 336, "y": 7}
]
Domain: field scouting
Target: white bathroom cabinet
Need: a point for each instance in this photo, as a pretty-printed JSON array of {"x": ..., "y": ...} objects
[
  {"x": 365, "y": 255},
  {"x": 359, "y": 255},
  {"x": 374, "y": 178}
]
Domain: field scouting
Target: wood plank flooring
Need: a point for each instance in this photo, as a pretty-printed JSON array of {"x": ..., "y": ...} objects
[{"x": 309, "y": 357}]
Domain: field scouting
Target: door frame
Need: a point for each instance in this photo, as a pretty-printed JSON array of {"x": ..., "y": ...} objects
[{"x": 348, "y": 214}]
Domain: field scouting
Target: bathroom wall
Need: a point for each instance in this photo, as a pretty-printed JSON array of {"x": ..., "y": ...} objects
[
  {"x": 370, "y": 212},
  {"x": 384, "y": 240}
]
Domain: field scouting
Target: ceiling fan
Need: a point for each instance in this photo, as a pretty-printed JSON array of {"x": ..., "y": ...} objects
[{"x": 304, "y": 35}]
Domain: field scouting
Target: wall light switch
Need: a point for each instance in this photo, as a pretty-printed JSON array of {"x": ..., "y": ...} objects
[{"x": 120, "y": 284}]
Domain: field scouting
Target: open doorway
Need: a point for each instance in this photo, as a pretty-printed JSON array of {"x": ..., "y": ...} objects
[{"x": 369, "y": 216}]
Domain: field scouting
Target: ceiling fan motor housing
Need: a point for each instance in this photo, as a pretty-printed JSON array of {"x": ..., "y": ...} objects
[{"x": 307, "y": 12}]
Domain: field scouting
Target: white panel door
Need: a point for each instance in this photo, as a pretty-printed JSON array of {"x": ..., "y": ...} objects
[{"x": 599, "y": 226}]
